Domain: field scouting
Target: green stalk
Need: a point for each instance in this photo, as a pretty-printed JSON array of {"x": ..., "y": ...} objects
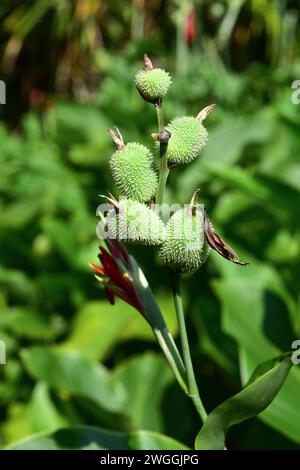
[
  {"x": 160, "y": 116},
  {"x": 155, "y": 319},
  {"x": 193, "y": 391},
  {"x": 163, "y": 159}
]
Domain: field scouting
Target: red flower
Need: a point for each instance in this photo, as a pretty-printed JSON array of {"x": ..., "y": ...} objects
[
  {"x": 190, "y": 28},
  {"x": 115, "y": 274}
]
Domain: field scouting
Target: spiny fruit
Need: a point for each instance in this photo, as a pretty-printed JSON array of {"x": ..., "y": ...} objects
[
  {"x": 153, "y": 84},
  {"x": 188, "y": 137},
  {"x": 136, "y": 223},
  {"x": 133, "y": 172},
  {"x": 185, "y": 247}
]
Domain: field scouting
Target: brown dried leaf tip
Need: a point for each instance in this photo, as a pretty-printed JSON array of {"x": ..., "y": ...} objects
[
  {"x": 117, "y": 138},
  {"x": 147, "y": 63},
  {"x": 217, "y": 244},
  {"x": 193, "y": 203},
  {"x": 205, "y": 112}
]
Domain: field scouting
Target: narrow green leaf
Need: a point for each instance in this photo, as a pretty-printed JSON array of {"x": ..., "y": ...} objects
[
  {"x": 74, "y": 438},
  {"x": 260, "y": 391},
  {"x": 253, "y": 324},
  {"x": 92, "y": 438}
]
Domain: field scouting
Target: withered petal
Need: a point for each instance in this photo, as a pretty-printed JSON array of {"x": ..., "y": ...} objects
[{"x": 217, "y": 244}]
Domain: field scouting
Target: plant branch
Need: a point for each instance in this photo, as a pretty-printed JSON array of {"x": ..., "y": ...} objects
[
  {"x": 193, "y": 391},
  {"x": 158, "y": 324},
  {"x": 163, "y": 138}
]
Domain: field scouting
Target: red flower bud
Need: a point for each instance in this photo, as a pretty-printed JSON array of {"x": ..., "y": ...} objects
[{"x": 190, "y": 27}]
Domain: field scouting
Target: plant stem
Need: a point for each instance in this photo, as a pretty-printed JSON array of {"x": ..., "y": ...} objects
[
  {"x": 156, "y": 320},
  {"x": 193, "y": 391},
  {"x": 160, "y": 116},
  {"x": 163, "y": 160}
]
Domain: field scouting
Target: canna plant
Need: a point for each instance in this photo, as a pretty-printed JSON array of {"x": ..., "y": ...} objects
[{"x": 184, "y": 238}]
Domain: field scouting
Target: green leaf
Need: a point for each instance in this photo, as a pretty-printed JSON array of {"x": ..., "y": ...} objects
[
  {"x": 42, "y": 412},
  {"x": 79, "y": 124},
  {"x": 207, "y": 327},
  {"x": 145, "y": 378},
  {"x": 92, "y": 438},
  {"x": 71, "y": 373},
  {"x": 237, "y": 178},
  {"x": 98, "y": 326},
  {"x": 148, "y": 440},
  {"x": 225, "y": 147},
  {"x": 119, "y": 322},
  {"x": 228, "y": 140},
  {"x": 259, "y": 330},
  {"x": 17, "y": 282},
  {"x": 62, "y": 238},
  {"x": 77, "y": 437},
  {"x": 30, "y": 324},
  {"x": 17, "y": 424},
  {"x": 261, "y": 390},
  {"x": 18, "y": 214}
]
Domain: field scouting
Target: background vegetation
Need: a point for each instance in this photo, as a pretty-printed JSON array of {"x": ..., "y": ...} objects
[{"x": 72, "y": 359}]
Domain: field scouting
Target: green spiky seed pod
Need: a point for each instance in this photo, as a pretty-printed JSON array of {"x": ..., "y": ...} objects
[
  {"x": 185, "y": 248},
  {"x": 188, "y": 137},
  {"x": 153, "y": 84},
  {"x": 135, "y": 222},
  {"x": 133, "y": 173}
]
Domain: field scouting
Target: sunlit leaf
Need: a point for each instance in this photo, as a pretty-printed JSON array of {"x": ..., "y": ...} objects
[
  {"x": 99, "y": 326},
  {"x": 91, "y": 438},
  {"x": 71, "y": 373},
  {"x": 145, "y": 378},
  {"x": 261, "y": 390},
  {"x": 43, "y": 414},
  {"x": 262, "y": 331}
]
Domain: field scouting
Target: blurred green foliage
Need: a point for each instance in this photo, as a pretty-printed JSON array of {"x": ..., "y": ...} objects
[{"x": 72, "y": 359}]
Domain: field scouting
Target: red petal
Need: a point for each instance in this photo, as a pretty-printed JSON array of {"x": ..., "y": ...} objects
[
  {"x": 113, "y": 248},
  {"x": 118, "y": 250},
  {"x": 105, "y": 258},
  {"x": 97, "y": 268},
  {"x": 113, "y": 272},
  {"x": 110, "y": 266},
  {"x": 124, "y": 252},
  {"x": 190, "y": 28},
  {"x": 119, "y": 284}
]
